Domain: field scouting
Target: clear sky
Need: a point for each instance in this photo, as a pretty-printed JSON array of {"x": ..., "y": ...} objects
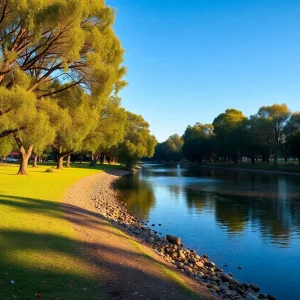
[{"x": 190, "y": 60}]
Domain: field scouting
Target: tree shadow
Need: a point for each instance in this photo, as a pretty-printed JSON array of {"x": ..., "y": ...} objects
[{"x": 54, "y": 265}]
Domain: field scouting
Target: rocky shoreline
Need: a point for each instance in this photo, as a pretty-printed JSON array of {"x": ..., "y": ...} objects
[{"x": 204, "y": 271}]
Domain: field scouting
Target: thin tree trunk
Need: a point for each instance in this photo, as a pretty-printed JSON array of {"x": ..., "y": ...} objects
[
  {"x": 299, "y": 159},
  {"x": 68, "y": 160},
  {"x": 35, "y": 160}
]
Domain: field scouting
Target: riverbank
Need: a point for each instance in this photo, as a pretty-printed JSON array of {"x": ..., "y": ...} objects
[
  {"x": 188, "y": 262},
  {"x": 125, "y": 267}
]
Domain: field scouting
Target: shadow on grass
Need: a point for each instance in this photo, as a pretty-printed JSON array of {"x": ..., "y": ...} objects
[{"x": 55, "y": 266}]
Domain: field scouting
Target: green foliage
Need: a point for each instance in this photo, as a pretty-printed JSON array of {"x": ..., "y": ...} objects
[
  {"x": 170, "y": 150},
  {"x": 138, "y": 142}
]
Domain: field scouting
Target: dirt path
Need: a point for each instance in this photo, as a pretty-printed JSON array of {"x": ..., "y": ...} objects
[{"x": 125, "y": 269}]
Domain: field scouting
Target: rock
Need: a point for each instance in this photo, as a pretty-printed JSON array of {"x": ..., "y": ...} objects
[
  {"x": 192, "y": 260},
  {"x": 239, "y": 267},
  {"x": 215, "y": 278},
  {"x": 151, "y": 240},
  {"x": 215, "y": 287},
  {"x": 200, "y": 274},
  {"x": 179, "y": 265},
  {"x": 254, "y": 287},
  {"x": 199, "y": 264},
  {"x": 225, "y": 277},
  {"x": 271, "y": 297},
  {"x": 173, "y": 239},
  {"x": 210, "y": 264},
  {"x": 224, "y": 285},
  {"x": 262, "y": 296},
  {"x": 250, "y": 296}
]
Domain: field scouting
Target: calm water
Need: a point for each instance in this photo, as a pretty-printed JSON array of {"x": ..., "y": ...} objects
[{"x": 238, "y": 218}]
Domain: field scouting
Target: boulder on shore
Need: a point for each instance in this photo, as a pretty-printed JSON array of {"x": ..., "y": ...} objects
[{"x": 175, "y": 240}]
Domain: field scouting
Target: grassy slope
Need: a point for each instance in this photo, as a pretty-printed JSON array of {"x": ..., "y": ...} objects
[{"x": 37, "y": 246}]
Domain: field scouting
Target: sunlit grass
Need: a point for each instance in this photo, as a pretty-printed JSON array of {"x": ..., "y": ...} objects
[{"x": 38, "y": 248}]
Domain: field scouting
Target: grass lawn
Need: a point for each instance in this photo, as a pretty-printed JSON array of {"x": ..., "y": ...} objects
[{"x": 37, "y": 244}]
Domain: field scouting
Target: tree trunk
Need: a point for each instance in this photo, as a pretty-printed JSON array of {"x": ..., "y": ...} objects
[
  {"x": 60, "y": 161},
  {"x": 267, "y": 158},
  {"x": 25, "y": 155},
  {"x": 299, "y": 159},
  {"x": 68, "y": 161},
  {"x": 23, "y": 165},
  {"x": 94, "y": 159},
  {"x": 253, "y": 160},
  {"x": 35, "y": 159}
]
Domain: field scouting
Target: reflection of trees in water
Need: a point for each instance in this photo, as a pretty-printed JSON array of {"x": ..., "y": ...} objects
[
  {"x": 175, "y": 190},
  {"x": 138, "y": 194},
  {"x": 275, "y": 219},
  {"x": 199, "y": 201}
]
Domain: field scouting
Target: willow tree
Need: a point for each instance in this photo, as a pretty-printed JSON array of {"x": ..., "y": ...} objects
[
  {"x": 109, "y": 130},
  {"x": 56, "y": 45},
  {"x": 138, "y": 142}
]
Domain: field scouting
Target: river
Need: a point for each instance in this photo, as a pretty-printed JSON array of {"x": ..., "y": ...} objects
[{"x": 237, "y": 218}]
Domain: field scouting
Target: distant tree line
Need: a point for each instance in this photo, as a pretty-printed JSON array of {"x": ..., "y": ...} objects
[
  {"x": 271, "y": 133},
  {"x": 60, "y": 74}
]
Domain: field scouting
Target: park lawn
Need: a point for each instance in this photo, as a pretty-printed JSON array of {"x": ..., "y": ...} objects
[{"x": 38, "y": 248}]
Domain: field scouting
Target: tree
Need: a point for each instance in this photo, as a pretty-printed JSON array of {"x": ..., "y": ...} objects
[
  {"x": 21, "y": 111},
  {"x": 198, "y": 142},
  {"x": 109, "y": 130},
  {"x": 274, "y": 119},
  {"x": 55, "y": 46},
  {"x": 228, "y": 131},
  {"x": 138, "y": 142},
  {"x": 292, "y": 133}
]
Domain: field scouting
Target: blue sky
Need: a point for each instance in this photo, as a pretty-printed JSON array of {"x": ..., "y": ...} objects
[{"x": 190, "y": 60}]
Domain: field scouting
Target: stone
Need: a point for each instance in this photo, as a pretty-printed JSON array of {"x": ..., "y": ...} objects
[
  {"x": 271, "y": 297},
  {"x": 192, "y": 260},
  {"x": 210, "y": 264},
  {"x": 200, "y": 274},
  {"x": 173, "y": 239},
  {"x": 225, "y": 277},
  {"x": 254, "y": 287},
  {"x": 199, "y": 264},
  {"x": 179, "y": 265},
  {"x": 151, "y": 240},
  {"x": 250, "y": 296}
]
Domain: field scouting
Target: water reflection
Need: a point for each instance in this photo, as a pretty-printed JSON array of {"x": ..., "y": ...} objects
[
  {"x": 237, "y": 216},
  {"x": 138, "y": 193}
]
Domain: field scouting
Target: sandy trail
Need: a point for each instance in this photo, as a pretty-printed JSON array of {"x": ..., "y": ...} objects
[{"x": 124, "y": 268}]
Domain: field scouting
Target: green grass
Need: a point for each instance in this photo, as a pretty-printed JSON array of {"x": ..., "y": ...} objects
[{"x": 38, "y": 249}]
